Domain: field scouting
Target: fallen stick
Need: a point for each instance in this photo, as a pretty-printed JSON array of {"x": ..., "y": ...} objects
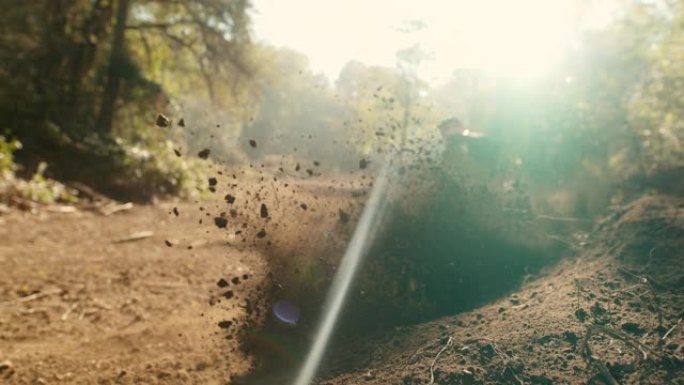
[
  {"x": 671, "y": 329},
  {"x": 595, "y": 362},
  {"x": 66, "y": 314},
  {"x": 502, "y": 355},
  {"x": 434, "y": 361},
  {"x": 563, "y": 219},
  {"x": 113, "y": 208},
  {"x": 633, "y": 342},
  {"x": 275, "y": 194},
  {"x": 606, "y": 373},
  {"x": 630, "y": 341},
  {"x": 134, "y": 237},
  {"x": 35, "y": 296},
  {"x": 62, "y": 209}
]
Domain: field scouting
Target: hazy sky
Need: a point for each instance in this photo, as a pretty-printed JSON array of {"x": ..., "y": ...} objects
[{"x": 518, "y": 38}]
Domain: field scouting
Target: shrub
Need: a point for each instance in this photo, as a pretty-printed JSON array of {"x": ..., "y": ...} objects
[
  {"x": 157, "y": 170},
  {"x": 39, "y": 188}
]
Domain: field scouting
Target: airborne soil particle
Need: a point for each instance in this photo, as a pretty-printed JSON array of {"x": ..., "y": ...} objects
[
  {"x": 162, "y": 121},
  {"x": 204, "y": 154},
  {"x": 221, "y": 222}
]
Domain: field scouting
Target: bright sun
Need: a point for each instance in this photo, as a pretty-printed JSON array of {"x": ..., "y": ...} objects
[{"x": 516, "y": 39}]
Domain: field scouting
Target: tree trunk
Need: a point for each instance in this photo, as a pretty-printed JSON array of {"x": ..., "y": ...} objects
[
  {"x": 111, "y": 92},
  {"x": 83, "y": 59}
]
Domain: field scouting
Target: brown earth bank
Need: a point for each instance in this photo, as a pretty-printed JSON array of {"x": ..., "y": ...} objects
[{"x": 611, "y": 315}]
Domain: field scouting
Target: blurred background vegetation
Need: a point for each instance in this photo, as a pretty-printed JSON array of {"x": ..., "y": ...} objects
[{"x": 83, "y": 82}]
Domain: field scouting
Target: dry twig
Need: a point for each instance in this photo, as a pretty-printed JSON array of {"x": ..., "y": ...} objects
[
  {"x": 434, "y": 361},
  {"x": 134, "y": 237},
  {"x": 35, "y": 296},
  {"x": 671, "y": 329},
  {"x": 630, "y": 341},
  {"x": 502, "y": 355}
]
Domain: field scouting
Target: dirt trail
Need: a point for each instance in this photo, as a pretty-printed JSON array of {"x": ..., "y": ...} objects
[{"x": 77, "y": 308}]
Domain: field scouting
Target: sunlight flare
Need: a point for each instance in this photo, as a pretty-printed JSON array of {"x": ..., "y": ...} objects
[{"x": 345, "y": 275}]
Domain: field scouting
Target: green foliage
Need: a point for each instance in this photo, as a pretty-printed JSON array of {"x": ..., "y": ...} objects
[
  {"x": 39, "y": 188},
  {"x": 45, "y": 190},
  {"x": 157, "y": 171},
  {"x": 77, "y": 74},
  {"x": 656, "y": 106},
  {"x": 7, "y": 148},
  {"x": 611, "y": 111}
]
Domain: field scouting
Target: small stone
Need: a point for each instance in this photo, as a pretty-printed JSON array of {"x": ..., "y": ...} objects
[
  {"x": 204, "y": 154},
  {"x": 221, "y": 222},
  {"x": 6, "y": 369},
  {"x": 162, "y": 121}
]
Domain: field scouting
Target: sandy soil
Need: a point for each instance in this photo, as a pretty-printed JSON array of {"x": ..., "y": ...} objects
[
  {"x": 78, "y": 308},
  {"x": 82, "y": 303}
]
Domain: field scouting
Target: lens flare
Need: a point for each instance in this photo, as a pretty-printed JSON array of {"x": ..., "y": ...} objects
[
  {"x": 345, "y": 274},
  {"x": 287, "y": 312}
]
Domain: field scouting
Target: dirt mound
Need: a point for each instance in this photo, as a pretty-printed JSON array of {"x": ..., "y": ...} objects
[{"x": 609, "y": 316}]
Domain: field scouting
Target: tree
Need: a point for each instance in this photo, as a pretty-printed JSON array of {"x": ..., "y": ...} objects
[
  {"x": 297, "y": 110},
  {"x": 69, "y": 62},
  {"x": 116, "y": 59}
]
